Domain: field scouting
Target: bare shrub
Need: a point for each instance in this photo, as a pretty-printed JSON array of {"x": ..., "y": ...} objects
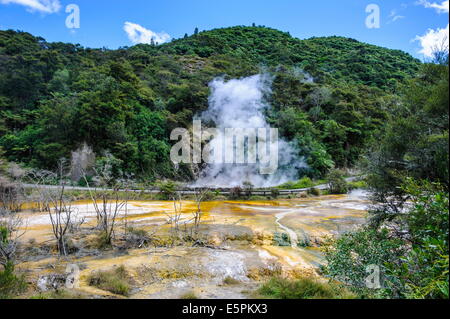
[
  {"x": 105, "y": 196},
  {"x": 10, "y": 233},
  {"x": 174, "y": 217},
  {"x": 201, "y": 194},
  {"x": 12, "y": 192},
  {"x": 55, "y": 202}
]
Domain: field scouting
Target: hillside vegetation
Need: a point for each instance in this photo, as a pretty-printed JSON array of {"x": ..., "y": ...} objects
[{"x": 56, "y": 96}]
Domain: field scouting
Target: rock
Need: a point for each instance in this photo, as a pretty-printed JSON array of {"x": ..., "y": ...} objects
[
  {"x": 180, "y": 284},
  {"x": 51, "y": 282},
  {"x": 214, "y": 240}
]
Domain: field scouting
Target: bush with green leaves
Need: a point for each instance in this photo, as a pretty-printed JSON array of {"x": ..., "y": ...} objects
[
  {"x": 281, "y": 239},
  {"x": 425, "y": 270},
  {"x": 314, "y": 191},
  {"x": 274, "y": 193},
  {"x": 413, "y": 259},
  {"x": 167, "y": 189},
  {"x": 11, "y": 284},
  {"x": 305, "y": 182},
  {"x": 348, "y": 258},
  {"x": 408, "y": 179},
  {"x": 336, "y": 182}
]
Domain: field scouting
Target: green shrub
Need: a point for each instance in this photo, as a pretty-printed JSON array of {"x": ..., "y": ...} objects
[
  {"x": 414, "y": 268},
  {"x": 303, "y": 288},
  {"x": 425, "y": 269},
  {"x": 357, "y": 185},
  {"x": 349, "y": 256},
  {"x": 3, "y": 234},
  {"x": 305, "y": 182},
  {"x": 281, "y": 239},
  {"x": 337, "y": 183},
  {"x": 274, "y": 193},
  {"x": 167, "y": 189},
  {"x": 115, "y": 281},
  {"x": 314, "y": 191},
  {"x": 10, "y": 284}
]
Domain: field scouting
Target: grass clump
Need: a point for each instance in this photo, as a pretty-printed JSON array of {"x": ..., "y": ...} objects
[
  {"x": 189, "y": 296},
  {"x": 115, "y": 281},
  {"x": 101, "y": 241},
  {"x": 59, "y": 294},
  {"x": 303, "y": 288},
  {"x": 281, "y": 239},
  {"x": 230, "y": 281}
]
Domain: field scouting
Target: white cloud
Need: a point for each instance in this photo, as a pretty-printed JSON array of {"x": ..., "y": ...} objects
[
  {"x": 432, "y": 40},
  {"x": 45, "y": 6},
  {"x": 394, "y": 16},
  {"x": 139, "y": 34},
  {"x": 397, "y": 18},
  {"x": 440, "y": 8}
]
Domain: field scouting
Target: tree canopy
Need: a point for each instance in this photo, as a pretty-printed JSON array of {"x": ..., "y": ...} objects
[{"x": 329, "y": 95}]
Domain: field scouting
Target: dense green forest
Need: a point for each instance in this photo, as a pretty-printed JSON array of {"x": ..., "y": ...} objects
[{"x": 56, "y": 96}]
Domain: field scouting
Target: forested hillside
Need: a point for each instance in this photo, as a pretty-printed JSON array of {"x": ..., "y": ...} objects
[{"x": 329, "y": 95}]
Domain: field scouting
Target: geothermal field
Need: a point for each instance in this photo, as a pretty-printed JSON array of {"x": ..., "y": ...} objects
[{"x": 239, "y": 245}]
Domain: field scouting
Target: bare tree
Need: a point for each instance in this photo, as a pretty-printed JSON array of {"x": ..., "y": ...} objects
[
  {"x": 60, "y": 214},
  {"x": 440, "y": 52},
  {"x": 106, "y": 198},
  {"x": 12, "y": 197},
  {"x": 12, "y": 192},
  {"x": 54, "y": 201},
  {"x": 129, "y": 195},
  {"x": 200, "y": 196},
  {"x": 41, "y": 197},
  {"x": 174, "y": 217},
  {"x": 10, "y": 233},
  {"x": 60, "y": 210},
  {"x": 107, "y": 207}
]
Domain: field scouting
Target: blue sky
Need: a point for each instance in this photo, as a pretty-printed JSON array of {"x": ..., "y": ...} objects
[{"x": 102, "y": 22}]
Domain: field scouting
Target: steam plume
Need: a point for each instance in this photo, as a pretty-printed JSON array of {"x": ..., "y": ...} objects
[{"x": 240, "y": 103}]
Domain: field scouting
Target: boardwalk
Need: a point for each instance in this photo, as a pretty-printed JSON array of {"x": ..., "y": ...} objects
[{"x": 190, "y": 191}]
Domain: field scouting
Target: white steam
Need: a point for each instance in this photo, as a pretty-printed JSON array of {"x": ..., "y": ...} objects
[{"x": 239, "y": 103}]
